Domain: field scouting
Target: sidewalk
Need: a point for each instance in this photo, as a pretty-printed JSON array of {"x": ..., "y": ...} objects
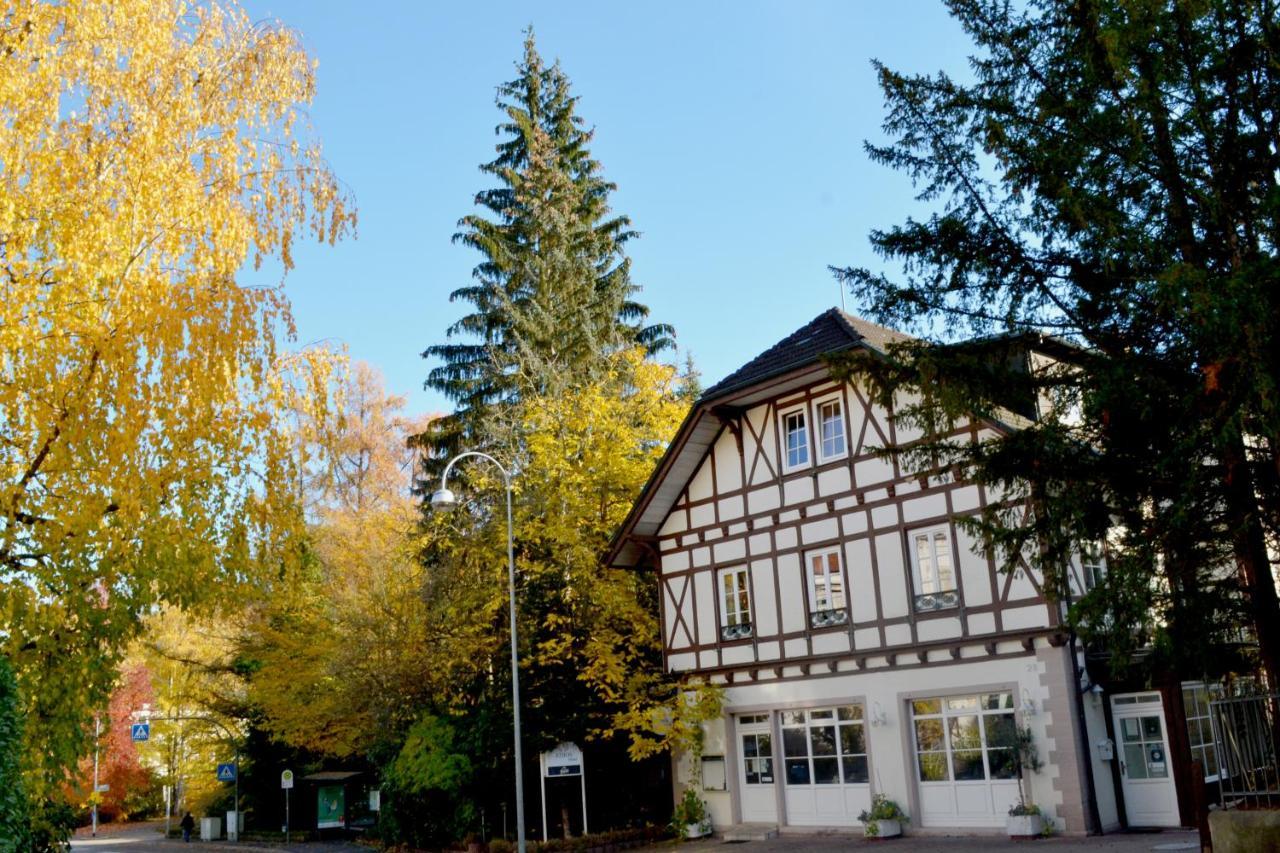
[{"x": 1137, "y": 842}]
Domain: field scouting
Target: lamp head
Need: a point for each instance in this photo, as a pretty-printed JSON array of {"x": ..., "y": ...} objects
[{"x": 443, "y": 500}]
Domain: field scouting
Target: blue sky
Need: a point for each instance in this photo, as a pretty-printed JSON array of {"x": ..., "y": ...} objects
[{"x": 734, "y": 131}]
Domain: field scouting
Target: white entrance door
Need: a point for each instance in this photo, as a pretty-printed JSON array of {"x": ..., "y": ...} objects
[
  {"x": 756, "y": 769},
  {"x": 1146, "y": 772}
]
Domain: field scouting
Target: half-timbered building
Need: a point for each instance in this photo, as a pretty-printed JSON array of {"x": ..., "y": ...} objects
[{"x": 864, "y": 640}]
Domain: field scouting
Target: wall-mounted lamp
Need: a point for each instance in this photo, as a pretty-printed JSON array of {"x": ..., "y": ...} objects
[
  {"x": 877, "y": 715},
  {"x": 1028, "y": 706}
]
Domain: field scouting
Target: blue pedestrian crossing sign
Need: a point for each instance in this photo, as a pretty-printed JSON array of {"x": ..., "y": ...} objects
[
  {"x": 226, "y": 773},
  {"x": 140, "y": 731}
]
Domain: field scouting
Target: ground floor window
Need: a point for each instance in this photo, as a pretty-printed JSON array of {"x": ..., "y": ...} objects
[
  {"x": 1195, "y": 701},
  {"x": 965, "y": 738},
  {"x": 825, "y": 746}
]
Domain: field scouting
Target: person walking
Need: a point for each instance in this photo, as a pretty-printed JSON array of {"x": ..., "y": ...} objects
[{"x": 188, "y": 824}]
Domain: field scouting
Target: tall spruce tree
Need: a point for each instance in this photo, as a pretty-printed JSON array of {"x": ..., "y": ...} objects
[
  {"x": 553, "y": 295},
  {"x": 1109, "y": 178}
]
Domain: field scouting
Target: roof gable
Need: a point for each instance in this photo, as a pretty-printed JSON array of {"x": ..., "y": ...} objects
[{"x": 830, "y": 332}]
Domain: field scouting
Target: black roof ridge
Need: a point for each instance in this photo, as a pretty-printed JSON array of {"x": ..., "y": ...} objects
[{"x": 831, "y": 331}]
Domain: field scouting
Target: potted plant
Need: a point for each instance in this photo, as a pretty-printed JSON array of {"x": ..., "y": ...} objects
[
  {"x": 1025, "y": 818},
  {"x": 884, "y": 819},
  {"x": 690, "y": 817}
]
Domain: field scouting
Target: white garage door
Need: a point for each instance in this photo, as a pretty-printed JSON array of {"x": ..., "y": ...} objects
[
  {"x": 966, "y": 777},
  {"x": 825, "y": 766}
]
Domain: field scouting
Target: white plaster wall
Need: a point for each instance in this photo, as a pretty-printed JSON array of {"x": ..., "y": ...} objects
[
  {"x": 765, "y": 603},
  {"x": 728, "y": 464},
  {"x": 893, "y": 579},
  {"x": 862, "y": 590},
  {"x": 890, "y": 744},
  {"x": 700, "y": 486},
  {"x": 789, "y": 581},
  {"x": 703, "y": 595},
  {"x": 975, "y": 573}
]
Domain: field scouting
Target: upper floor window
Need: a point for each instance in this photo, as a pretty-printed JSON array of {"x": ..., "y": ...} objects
[
  {"x": 735, "y": 616},
  {"x": 826, "y": 589},
  {"x": 796, "y": 430},
  {"x": 1092, "y": 564},
  {"x": 831, "y": 430},
  {"x": 935, "y": 576}
]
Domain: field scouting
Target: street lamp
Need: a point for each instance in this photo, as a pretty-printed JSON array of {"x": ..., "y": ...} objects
[{"x": 443, "y": 500}]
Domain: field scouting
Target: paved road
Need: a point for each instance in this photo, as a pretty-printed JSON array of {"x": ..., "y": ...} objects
[
  {"x": 149, "y": 838},
  {"x": 1118, "y": 843},
  {"x": 146, "y": 838}
]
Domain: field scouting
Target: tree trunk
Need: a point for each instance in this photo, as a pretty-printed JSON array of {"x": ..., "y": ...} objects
[{"x": 1250, "y": 547}]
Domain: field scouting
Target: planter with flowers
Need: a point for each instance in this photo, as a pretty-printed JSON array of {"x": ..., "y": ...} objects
[
  {"x": 690, "y": 818},
  {"x": 884, "y": 819}
]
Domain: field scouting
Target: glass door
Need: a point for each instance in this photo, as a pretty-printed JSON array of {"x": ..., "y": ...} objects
[{"x": 1146, "y": 773}]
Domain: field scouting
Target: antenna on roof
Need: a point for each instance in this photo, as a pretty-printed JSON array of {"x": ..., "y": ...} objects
[{"x": 840, "y": 287}]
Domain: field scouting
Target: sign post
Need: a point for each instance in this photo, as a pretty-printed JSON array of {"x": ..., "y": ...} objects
[
  {"x": 564, "y": 760},
  {"x": 231, "y": 773},
  {"x": 286, "y": 782}
]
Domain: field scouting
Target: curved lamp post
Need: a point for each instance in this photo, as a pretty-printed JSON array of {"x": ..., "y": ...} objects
[{"x": 444, "y": 500}]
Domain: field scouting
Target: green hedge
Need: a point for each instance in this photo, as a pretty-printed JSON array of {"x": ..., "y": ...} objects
[{"x": 600, "y": 842}]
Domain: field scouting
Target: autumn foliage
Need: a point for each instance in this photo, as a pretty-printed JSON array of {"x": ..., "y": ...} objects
[
  {"x": 129, "y": 783},
  {"x": 149, "y": 151}
]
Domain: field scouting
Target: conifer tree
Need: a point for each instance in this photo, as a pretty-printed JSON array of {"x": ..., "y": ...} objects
[
  {"x": 553, "y": 294},
  {"x": 1110, "y": 177}
]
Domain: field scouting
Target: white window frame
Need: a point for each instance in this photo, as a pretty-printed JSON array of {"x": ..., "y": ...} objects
[
  {"x": 803, "y": 721},
  {"x": 1093, "y": 564},
  {"x": 819, "y": 439},
  {"x": 783, "y": 416},
  {"x": 940, "y": 598},
  {"x": 735, "y": 621},
  {"x": 1201, "y": 694},
  {"x": 955, "y": 707},
  {"x": 836, "y": 611}
]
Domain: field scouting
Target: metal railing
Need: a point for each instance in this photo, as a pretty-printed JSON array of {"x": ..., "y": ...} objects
[{"x": 1244, "y": 729}]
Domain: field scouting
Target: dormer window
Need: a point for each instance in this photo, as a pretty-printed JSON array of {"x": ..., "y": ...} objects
[
  {"x": 735, "y": 617},
  {"x": 831, "y": 431},
  {"x": 795, "y": 431}
]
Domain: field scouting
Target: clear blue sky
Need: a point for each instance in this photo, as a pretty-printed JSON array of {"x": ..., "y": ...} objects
[{"x": 733, "y": 130}]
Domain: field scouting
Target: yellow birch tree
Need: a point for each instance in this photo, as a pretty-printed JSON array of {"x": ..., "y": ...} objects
[{"x": 149, "y": 150}]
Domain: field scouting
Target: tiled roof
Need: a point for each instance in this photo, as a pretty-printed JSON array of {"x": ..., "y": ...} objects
[{"x": 831, "y": 331}]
